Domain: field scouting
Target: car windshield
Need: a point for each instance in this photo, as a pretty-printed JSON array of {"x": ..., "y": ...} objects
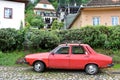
[{"x": 54, "y": 49}]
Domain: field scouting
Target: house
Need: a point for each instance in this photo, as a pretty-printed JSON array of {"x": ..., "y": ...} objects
[
  {"x": 46, "y": 10},
  {"x": 67, "y": 11},
  {"x": 12, "y": 13},
  {"x": 98, "y": 12}
]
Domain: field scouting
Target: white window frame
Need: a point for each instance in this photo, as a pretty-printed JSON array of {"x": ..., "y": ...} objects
[
  {"x": 96, "y": 21},
  {"x": 115, "y": 20}
]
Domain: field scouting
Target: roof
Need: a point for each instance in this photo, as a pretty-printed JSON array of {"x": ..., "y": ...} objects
[
  {"x": 23, "y": 1},
  {"x": 95, "y": 3},
  {"x": 44, "y": 2},
  {"x": 48, "y": 7}
]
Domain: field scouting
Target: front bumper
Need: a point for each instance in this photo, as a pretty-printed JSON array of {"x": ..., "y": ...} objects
[
  {"x": 25, "y": 61},
  {"x": 110, "y": 65}
]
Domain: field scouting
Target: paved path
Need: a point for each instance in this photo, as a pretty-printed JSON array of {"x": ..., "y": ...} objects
[{"x": 27, "y": 73}]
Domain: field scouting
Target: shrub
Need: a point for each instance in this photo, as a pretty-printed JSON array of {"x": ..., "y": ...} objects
[
  {"x": 41, "y": 39},
  {"x": 89, "y": 35},
  {"x": 114, "y": 39},
  {"x": 37, "y": 22},
  {"x": 50, "y": 40},
  {"x": 8, "y": 39},
  {"x": 20, "y": 39}
]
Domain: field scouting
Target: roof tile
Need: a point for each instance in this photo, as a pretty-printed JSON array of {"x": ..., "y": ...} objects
[
  {"x": 44, "y": 1},
  {"x": 103, "y": 2}
]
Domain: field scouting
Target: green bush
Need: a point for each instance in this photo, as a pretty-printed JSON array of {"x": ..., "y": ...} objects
[
  {"x": 89, "y": 35},
  {"x": 114, "y": 38},
  {"x": 98, "y": 36},
  {"x": 41, "y": 39},
  {"x": 37, "y": 22},
  {"x": 8, "y": 39},
  {"x": 93, "y": 36}
]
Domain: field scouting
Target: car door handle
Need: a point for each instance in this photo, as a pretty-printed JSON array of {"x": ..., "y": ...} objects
[
  {"x": 86, "y": 56},
  {"x": 67, "y": 56}
]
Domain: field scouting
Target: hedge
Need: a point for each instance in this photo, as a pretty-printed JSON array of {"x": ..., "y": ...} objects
[{"x": 98, "y": 36}]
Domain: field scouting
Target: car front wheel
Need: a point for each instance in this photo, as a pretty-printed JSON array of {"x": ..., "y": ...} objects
[
  {"x": 38, "y": 66},
  {"x": 91, "y": 69}
]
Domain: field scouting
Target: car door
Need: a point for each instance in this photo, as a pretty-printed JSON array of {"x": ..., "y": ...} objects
[
  {"x": 60, "y": 58},
  {"x": 78, "y": 57}
]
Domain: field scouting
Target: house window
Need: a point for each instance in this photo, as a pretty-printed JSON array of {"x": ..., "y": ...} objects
[
  {"x": 8, "y": 13},
  {"x": 96, "y": 21},
  {"x": 44, "y": 5},
  {"x": 38, "y": 13},
  {"x": 115, "y": 20}
]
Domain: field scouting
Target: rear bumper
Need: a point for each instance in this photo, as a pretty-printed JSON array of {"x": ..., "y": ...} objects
[{"x": 110, "y": 65}]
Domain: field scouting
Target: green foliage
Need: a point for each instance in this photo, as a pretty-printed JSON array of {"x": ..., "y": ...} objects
[
  {"x": 97, "y": 36},
  {"x": 41, "y": 39},
  {"x": 33, "y": 20},
  {"x": 9, "y": 59},
  {"x": 114, "y": 38},
  {"x": 7, "y": 39},
  {"x": 11, "y": 39},
  {"x": 37, "y": 22},
  {"x": 29, "y": 16},
  {"x": 93, "y": 36},
  {"x": 57, "y": 25}
]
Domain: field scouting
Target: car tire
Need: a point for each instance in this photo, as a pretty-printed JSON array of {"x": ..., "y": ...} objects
[
  {"x": 91, "y": 69},
  {"x": 39, "y": 66}
]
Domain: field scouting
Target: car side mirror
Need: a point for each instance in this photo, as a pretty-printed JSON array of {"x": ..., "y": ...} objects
[
  {"x": 52, "y": 53},
  {"x": 86, "y": 53}
]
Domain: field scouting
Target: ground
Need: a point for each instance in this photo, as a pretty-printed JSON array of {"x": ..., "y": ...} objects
[{"x": 27, "y": 73}]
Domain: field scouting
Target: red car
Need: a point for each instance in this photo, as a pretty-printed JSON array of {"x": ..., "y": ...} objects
[{"x": 70, "y": 56}]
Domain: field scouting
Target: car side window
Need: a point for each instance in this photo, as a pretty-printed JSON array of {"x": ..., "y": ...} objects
[
  {"x": 78, "y": 50},
  {"x": 63, "y": 50}
]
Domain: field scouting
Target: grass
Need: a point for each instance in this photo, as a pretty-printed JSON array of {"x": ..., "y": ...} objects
[
  {"x": 116, "y": 66},
  {"x": 9, "y": 59}
]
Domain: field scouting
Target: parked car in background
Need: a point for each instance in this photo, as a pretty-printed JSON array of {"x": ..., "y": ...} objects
[{"x": 70, "y": 56}]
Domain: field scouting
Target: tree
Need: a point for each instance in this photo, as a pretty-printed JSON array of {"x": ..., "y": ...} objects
[
  {"x": 37, "y": 22},
  {"x": 57, "y": 25}
]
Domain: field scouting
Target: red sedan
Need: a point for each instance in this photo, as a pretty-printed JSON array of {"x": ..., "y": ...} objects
[{"x": 70, "y": 56}]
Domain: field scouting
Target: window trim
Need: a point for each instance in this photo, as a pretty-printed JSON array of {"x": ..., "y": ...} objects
[
  {"x": 98, "y": 20},
  {"x": 113, "y": 20},
  {"x": 59, "y": 47},
  {"x": 11, "y": 13}
]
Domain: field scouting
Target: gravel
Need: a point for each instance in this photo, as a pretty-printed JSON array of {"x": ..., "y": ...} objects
[{"x": 27, "y": 73}]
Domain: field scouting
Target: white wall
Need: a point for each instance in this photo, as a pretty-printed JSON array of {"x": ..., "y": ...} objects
[
  {"x": 17, "y": 17},
  {"x": 48, "y": 6}
]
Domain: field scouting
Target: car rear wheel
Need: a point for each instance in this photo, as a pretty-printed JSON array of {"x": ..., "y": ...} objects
[
  {"x": 39, "y": 66},
  {"x": 91, "y": 69}
]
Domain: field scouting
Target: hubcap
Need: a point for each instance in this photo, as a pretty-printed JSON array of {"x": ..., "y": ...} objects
[
  {"x": 37, "y": 67},
  {"x": 91, "y": 69}
]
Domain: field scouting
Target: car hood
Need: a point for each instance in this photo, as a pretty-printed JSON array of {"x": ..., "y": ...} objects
[{"x": 38, "y": 55}]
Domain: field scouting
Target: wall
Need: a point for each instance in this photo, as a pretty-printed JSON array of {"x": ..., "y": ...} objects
[
  {"x": 18, "y": 14},
  {"x": 86, "y": 16},
  {"x": 48, "y": 6}
]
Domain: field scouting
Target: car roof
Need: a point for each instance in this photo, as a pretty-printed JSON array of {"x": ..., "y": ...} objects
[{"x": 73, "y": 44}]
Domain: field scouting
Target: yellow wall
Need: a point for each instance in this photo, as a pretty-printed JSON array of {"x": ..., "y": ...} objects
[{"x": 105, "y": 14}]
